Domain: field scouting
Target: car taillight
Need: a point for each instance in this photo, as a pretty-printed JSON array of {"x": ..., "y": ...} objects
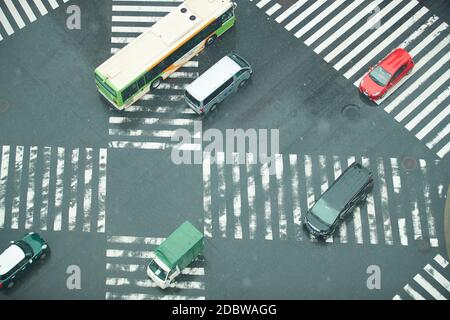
[
  {"x": 1, "y": 285},
  {"x": 202, "y": 110}
]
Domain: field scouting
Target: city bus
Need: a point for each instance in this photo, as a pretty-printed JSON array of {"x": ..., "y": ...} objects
[{"x": 166, "y": 46}]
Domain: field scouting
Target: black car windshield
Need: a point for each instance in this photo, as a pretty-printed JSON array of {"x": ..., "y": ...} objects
[
  {"x": 239, "y": 61},
  {"x": 380, "y": 76},
  {"x": 325, "y": 212}
]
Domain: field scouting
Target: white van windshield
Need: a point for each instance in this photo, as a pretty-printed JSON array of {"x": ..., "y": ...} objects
[{"x": 192, "y": 99}]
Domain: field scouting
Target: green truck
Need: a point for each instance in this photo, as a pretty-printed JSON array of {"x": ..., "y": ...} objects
[{"x": 179, "y": 250}]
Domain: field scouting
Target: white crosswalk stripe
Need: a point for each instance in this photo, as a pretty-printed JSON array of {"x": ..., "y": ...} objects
[
  {"x": 397, "y": 212},
  {"x": 13, "y": 13},
  {"x": 152, "y": 122},
  {"x": 126, "y": 277},
  {"x": 431, "y": 283},
  {"x": 354, "y": 35},
  {"x": 34, "y": 194}
]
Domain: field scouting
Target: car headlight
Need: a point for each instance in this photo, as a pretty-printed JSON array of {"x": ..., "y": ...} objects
[{"x": 377, "y": 93}]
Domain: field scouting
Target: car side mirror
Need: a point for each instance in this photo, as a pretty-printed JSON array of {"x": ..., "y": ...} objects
[{"x": 11, "y": 242}]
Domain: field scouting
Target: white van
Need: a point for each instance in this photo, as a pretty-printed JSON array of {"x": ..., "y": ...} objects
[{"x": 226, "y": 76}]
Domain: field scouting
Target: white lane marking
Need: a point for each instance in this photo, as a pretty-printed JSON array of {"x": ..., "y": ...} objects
[
  {"x": 426, "y": 111},
  {"x": 4, "y": 21},
  {"x": 377, "y": 33},
  {"x": 135, "y": 19},
  {"x": 121, "y": 267},
  {"x": 397, "y": 297},
  {"x": 428, "y": 287},
  {"x": 417, "y": 225},
  {"x": 446, "y": 149},
  {"x": 304, "y": 14},
  {"x": 149, "y": 121},
  {"x": 135, "y": 240},
  {"x": 386, "y": 42},
  {"x": 153, "y": 145},
  {"x": 147, "y": 283},
  {"x": 337, "y": 169},
  {"x": 413, "y": 293},
  {"x": 31, "y": 187},
  {"x": 144, "y": 296},
  {"x": 387, "y": 228},
  {"x": 441, "y": 135},
  {"x": 251, "y": 193},
  {"x": 57, "y": 224},
  {"x": 222, "y": 194},
  {"x": 273, "y": 9},
  {"x": 318, "y": 18},
  {"x": 237, "y": 197},
  {"x": 371, "y": 213},
  {"x": 438, "y": 277},
  {"x": 442, "y": 262},
  {"x": 310, "y": 194},
  {"x": 349, "y": 24},
  {"x": 296, "y": 209},
  {"x": 117, "y": 8},
  {"x": 53, "y": 4},
  {"x": 418, "y": 32},
  {"x": 15, "y": 14},
  {"x": 17, "y": 182},
  {"x": 74, "y": 190},
  {"x": 357, "y": 223},
  {"x": 207, "y": 219},
  {"x": 397, "y": 184},
  {"x": 265, "y": 179},
  {"x": 43, "y": 11},
  {"x": 341, "y": 15},
  {"x": 87, "y": 202},
  {"x": 28, "y": 11},
  {"x": 425, "y": 42},
  {"x": 116, "y": 253},
  {"x": 45, "y": 188},
  {"x": 121, "y": 29},
  {"x": 427, "y": 199},
  {"x": 101, "y": 220},
  {"x": 262, "y": 3},
  {"x": 280, "y": 197},
  {"x": 290, "y": 11},
  {"x": 361, "y": 31},
  {"x": 142, "y": 133},
  {"x": 423, "y": 96}
]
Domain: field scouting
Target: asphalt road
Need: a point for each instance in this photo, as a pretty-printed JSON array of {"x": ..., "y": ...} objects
[{"x": 98, "y": 205}]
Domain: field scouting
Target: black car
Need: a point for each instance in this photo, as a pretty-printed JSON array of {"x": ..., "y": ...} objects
[{"x": 341, "y": 198}]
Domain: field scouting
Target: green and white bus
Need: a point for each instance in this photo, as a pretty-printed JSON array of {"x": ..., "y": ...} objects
[{"x": 161, "y": 50}]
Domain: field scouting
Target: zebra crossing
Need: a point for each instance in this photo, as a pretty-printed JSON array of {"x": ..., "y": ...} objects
[
  {"x": 153, "y": 120},
  {"x": 353, "y": 35},
  {"x": 244, "y": 201},
  {"x": 430, "y": 284},
  {"x": 126, "y": 279},
  {"x": 52, "y": 188},
  {"x": 14, "y": 15}
]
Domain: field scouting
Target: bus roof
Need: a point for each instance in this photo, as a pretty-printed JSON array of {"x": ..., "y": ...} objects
[
  {"x": 179, "y": 243},
  {"x": 213, "y": 78},
  {"x": 159, "y": 40}
]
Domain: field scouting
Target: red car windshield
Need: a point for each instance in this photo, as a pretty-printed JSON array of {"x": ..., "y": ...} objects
[{"x": 380, "y": 76}]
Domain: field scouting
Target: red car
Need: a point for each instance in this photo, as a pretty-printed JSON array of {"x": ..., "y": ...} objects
[{"x": 386, "y": 74}]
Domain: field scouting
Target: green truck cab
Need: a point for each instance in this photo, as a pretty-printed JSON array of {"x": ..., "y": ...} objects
[{"x": 178, "y": 251}]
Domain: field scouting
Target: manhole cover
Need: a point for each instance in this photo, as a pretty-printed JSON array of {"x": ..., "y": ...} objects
[
  {"x": 351, "y": 112},
  {"x": 4, "y": 106},
  {"x": 409, "y": 163}
]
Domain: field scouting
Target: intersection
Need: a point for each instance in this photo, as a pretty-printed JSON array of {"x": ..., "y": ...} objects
[{"x": 101, "y": 186}]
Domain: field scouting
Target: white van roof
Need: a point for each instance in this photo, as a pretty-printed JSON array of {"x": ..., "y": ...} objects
[
  {"x": 10, "y": 258},
  {"x": 213, "y": 78}
]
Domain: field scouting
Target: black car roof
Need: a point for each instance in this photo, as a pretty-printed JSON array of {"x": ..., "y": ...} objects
[{"x": 346, "y": 186}]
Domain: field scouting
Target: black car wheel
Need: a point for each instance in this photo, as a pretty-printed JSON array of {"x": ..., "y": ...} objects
[
  {"x": 156, "y": 83},
  {"x": 10, "y": 284},
  {"x": 211, "y": 40}
]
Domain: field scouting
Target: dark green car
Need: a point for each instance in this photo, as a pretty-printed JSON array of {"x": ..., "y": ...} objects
[{"x": 20, "y": 256}]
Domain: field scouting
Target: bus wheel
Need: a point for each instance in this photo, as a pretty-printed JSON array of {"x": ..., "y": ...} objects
[
  {"x": 211, "y": 40},
  {"x": 156, "y": 83}
]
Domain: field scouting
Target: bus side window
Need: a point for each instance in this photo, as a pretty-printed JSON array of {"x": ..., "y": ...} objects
[
  {"x": 130, "y": 91},
  {"x": 141, "y": 83}
]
